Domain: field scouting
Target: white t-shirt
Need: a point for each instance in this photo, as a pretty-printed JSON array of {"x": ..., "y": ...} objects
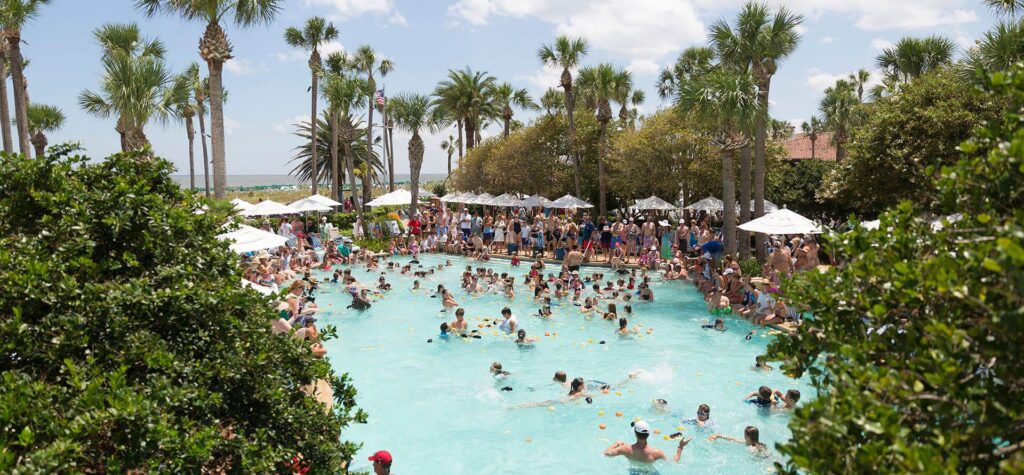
[
  {"x": 506, "y": 325},
  {"x": 285, "y": 229}
]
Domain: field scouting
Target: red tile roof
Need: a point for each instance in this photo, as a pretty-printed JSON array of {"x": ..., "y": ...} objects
[{"x": 799, "y": 147}]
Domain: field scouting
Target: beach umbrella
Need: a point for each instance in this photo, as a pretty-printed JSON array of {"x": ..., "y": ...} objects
[
  {"x": 535, "y": 201},
  {"x": 240, "y": 204},
  {"x": 451, "y": 197},
  {"x": 569, "y": 202},
  {"x": 268, "y": 208},
  {"x": 425, "y": 193},
  {"x": 466, "y": 198},
  {"x": 323, "y": 200},
  {"x": 782, "y": 221},
  {"x": 707, "y": 204},
  {"x": 768, "y": 206},
  {"x": 248, "y": 239},
  {"x": 506, "y": 201},
  {"x": 398, "y": 197},
  {"x": 653, "y": 203},
  {"x": 306, "y": 205},
  {"x": 481, "y": 199}
]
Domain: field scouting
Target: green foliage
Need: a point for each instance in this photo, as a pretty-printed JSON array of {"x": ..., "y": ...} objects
[
  {"x": 374, "y": 245},
  {"x": 128, "y": 343},
  {"x": 905, "y": 139},
  {"x": 344, "y": 221},
  {"x": 940, "y": 389},
  {"x": 795, "y": 185},
  {"x": 439, "y": 189},
  {"x": 750, "y": 267}
]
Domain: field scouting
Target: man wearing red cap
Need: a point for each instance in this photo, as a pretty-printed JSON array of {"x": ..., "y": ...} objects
[{"x": 381, "y": 462}]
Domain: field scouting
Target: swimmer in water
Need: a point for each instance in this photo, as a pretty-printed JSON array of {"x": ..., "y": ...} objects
[
  {"x": 787, "y": 401},
  {"x": 703, "y": 418},
  {"x": 460, "y": 324},
  {"x": 751, "y": 438},
  {"x": 624, "y": 329},
  {"x": 760, "y": 364},
  {"x": 641, "y": 455},
  {"x": 763, "y": 397},
  {"x": 545, "y": 311},
  {"x": 444, "y": 332},
  {"x": 509, "y": 325},
  {"x": 497, "y": 372},
  {"x": 577, "y": 390},
  {"x": 447, "y": 301},
  {"x": 719, "y": 325},
  {"x": 415, "y": 285},
  {"x": 524, "y": 341},
  {"x": 588, "y": 306}
]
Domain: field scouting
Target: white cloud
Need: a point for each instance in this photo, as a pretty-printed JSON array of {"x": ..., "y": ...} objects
[
  {"x": 641, "y": 31},
  {"x": 296, "y": 54},
  {"x": 871, "y": 15},
  {"x": 827, "y": 40},
  {"x": 643, "y": 66},
  {"x": 230, "y": 125},
  {"x": 544, "y": 78},
  {"x": 820, "y": 80},
  {"x": 879, "y": 44},
  {"x": 796, "y": 123},
  {"x": 287, "y": 126},
  {"x": 347, "y": 9},
  {"x": 243, "y": 67}
]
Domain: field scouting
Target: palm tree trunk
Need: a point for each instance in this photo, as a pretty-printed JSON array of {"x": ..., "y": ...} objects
[
  {"x": 335, "y": 172},
  {"x": 314, "y": 179},
  {"x": 366, "y": 163},
  {"x": 39, "y": 141},
  {"x": 602, "y": 205},
  {"x": 759, "y": 171},
  {"x": 840, "y": 152},
  {"x": 121, "y": 132},
  {"x": 190, "y": 132},
  {"x": 449, "y": 162},
  {"x": 812, "y": 148},
  {"x": 572, "y": 136},
  {"x": 220, "y": 179},
  {"x": 388, "y": 147},
  {"x": 728, "y": 201},
  {"x": 391, "y": 152},
  {"x": 459, "y": 126},
  {"x": 20, "y": 92},
  {"x": 206, "y": 157},
  {"x": 744, "y": 237},
  {"x": 415, "y": 163},
  {"x": 350, "y": 166},
  {"x": 5, "y": 112},
  {"x": 470, "y": 134}
]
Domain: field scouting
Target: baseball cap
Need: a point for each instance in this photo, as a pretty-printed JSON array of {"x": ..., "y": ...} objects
[
  {"x": 382, "y": 456},
  {"x": 641, "y": 427},
  {"x": 728, "y": 271}
]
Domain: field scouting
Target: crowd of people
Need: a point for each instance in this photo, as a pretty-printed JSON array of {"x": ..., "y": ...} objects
[{"x": 633, "y": 249}]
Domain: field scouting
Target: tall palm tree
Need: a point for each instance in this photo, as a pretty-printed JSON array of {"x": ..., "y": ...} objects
[
  {"x": 599, "y": 85},
  {"x": 1007, "y": 7},
  {"x": 344, "y": 92},
  {"x": 215, "y": 49},
  {"x": 448, "y": 146},
  {"x": 692, "y": 62},
  {"x": 760, "y": 41},
  {"x": 186, "y": 111},
  {"x": 5, "y": 110},
  {"x": 200, "y": 91},
  {"x": 412, "y": 112},
  {"x": 366, "y": 61},
  {"x": 998, "y": 49},
  {"x": 303, "y": 165},
  {"x": 728, "y": 100},
  {"x": 315, "y": 32},
  {"x": 627, "y": 97},
  {"x": 14, "y": 15},
  {"x": 567, "y": 53},
  {"x": 42, "y": 119},
  {"x": 812, "y": 129},
  {"x": 859, "y": 79},
  {"x": 468, "y": 96},
  {"x": 136, "y": 86},
  {"x": 837, "y": 112},
  {"x": 552, "y": 101},
  {"x": 505, "y": 97},
  {"x": 911, "y": 57}
]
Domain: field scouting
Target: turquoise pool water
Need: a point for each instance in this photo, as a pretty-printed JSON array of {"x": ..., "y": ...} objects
[{"x": 438, "y": 410}]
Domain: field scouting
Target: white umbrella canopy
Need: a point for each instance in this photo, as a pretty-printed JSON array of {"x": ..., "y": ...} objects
[
  {"x": 535, "y": 201},
  {"x": 322, "y": 200},
  {"x": 248, "y": 239},
  {"x": 481, "y": 199},
  {"x": 398, "y": 197},
  {"x": 653, "y": 203},
  {"x": 425, "y": 194},
  {"x": 768, "y": 206},
  {"x": 240, "y": 204},
  {"x": 569, "y": 202},
  {"x": 268, "y": 208},
  {"x": 707, "y": 204},
  {"x": 308, "y": 204},
  {"x": 506, "y": 201},
  {"x": 466, "y": 198},
  {"x": 782, "y": 221},
  {"x": 451, "y": 197}
]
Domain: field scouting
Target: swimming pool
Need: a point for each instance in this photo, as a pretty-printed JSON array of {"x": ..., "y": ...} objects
[{"x": 438, "y": 410}]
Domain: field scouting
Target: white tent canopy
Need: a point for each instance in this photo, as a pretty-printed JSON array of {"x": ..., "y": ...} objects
[
  {"x": 535, "y": 201},
  {"x": 569, "y": 202},
  {"x": 653, "y": 203},
  {"x": 506, "y": 201},
  {"x": 309, "y": 204},
  {"x": 322, "y": 200},
  {"x": 248, "y": 239},
  {"x": 268, "y": 208},
  {"x": 707, "y": 204},
  {"x": 782, "y": 221},
  {"x": 398, "y": 197},
  {"x": 241, "y": 205}
]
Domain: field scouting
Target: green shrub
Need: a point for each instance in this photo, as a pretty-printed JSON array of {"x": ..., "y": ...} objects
[{"x": 750, "y": 267}]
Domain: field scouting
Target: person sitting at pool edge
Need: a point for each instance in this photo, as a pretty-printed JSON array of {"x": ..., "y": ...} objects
[
  {"x": 640, "y": 452},
  {"x": 751, "y": 438}
]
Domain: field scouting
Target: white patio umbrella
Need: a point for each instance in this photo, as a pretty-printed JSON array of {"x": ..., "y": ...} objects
[
  {"x": 398, "y": 197},
  {"x": 466, "y": 198},
  {"x": 451, "y": 197},
  {"x": 535, "y": 201},
  {"x": 653, "y": 203},
  {"x": 322, "y": 200},
  {"x": 248, "y": 239},
  {"x": 481, "y": 199},
  {"x": 309, "y": 204},
  {"x": 569, "y": 202},
  {"x": 268, "y": 208},
  {"x": 241, "y": 204},
  {"x": 506, "y": 201},
  {"x": 707, "y": 204},
  {"x": 425, "y": 194},
  {"x": 768, "y": 206},
  {"x": 782, "y": 221}
]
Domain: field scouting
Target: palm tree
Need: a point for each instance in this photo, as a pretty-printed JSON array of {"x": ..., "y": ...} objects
[
  {"x": 760, "y": 42},
  {"x": 627, "y": 97},
  {"x": 200, "y": 91},
  {"x": 344, "y": 93},
  {"x": 567, "y": 53},
  {"x": 42, "y": 119},
  {"x": 215, "y": 49},
  {"x": 811, "y": 129},
  {"x": 505, "y": 96},
  {"x": 912, "y": 57},
  {"x": 837, "y": 112},
  {"x": 14, "y": 14},
  {"x": 136, "y": 87},
  {"x": 1007, "y": 7},
  {"x": 998, "y": 49},
  {"x": 186, "y": 111},
  {"x": 599, "y": 85},
  {"x": 467, "y": 96},
  {"x": 316, "y": 32},
  {"x": 365, "y": 61},
  {"x": 412, "y": 112},
  {"x": 552, "y": 101},
  {"x": 693, "y": 61},
  {"x": 859, "y": 79},
  {"x": 728, "y": 100},
  {"x": 448, "y": 146},
  {"x": 303, "y": 164},
  {"x": 5, "y": 110}
]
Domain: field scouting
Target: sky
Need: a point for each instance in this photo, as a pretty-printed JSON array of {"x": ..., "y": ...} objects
[{"x": 268, "y": 81}]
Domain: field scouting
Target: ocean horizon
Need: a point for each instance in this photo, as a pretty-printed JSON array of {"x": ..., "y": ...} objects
[{"x": 236, "y": 181}]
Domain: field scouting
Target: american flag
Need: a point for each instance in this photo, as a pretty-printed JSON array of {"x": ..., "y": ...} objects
[{"x": 379, "y": 96}]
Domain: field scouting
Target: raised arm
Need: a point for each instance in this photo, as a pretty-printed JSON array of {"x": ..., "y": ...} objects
[{"x": 679, "y": 448}]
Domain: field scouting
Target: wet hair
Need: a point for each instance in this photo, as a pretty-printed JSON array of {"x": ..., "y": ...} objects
[
  {"x": 576, "y": 386},
  {"x": 793, "y": 394},
  {"x": 521, "y": 333},
  {"x": 460, "y": 312},
  {"x": 704, "y": 409},
  {"x": 764, "y": 392},
  {"x": 444, "y": 327},
  {"x": 496, "y": 366},
  {"x": 612, "y": 308},
  {"x": 506, "y": 311},
  {"x": 628, "y": 309},
  {"x": 623, "y": 323},
  {"x": 560, "y": 376},
  {"x": 752, "y": 435}
]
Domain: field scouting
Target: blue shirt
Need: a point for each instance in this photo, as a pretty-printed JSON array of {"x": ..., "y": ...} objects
[{"x": 713, "y": 247}]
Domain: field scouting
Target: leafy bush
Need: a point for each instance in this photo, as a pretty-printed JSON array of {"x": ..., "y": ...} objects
[
  {"x": 374, "y": 245},
  {"x": 915, "y": 344},
  {"x": 128, "y": 343},
  {"x": 750, "y": 267}
]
